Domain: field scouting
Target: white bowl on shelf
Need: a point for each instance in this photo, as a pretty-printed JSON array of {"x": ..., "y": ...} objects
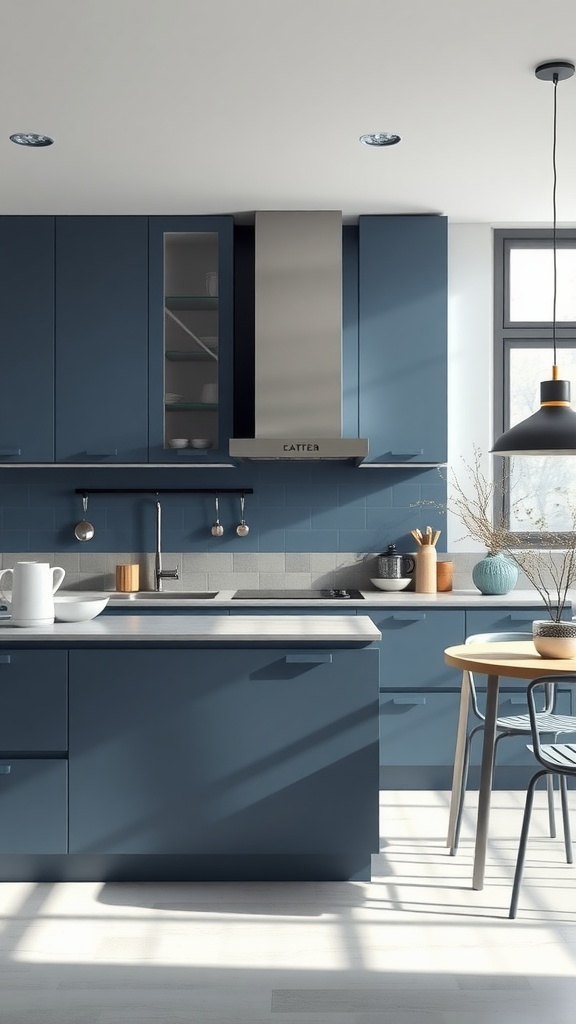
[
  {"x": 178, "y": 442},
  {"x": 78, "y": 607},
  {"x": 200, "y": 442},
  {"x": 391, "y": 585}
]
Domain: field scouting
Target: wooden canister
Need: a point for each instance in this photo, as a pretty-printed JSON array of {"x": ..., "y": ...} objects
[
  {"x": 444, "y": 576},
  {"x": 127, "y": 577},
  {"x": 426, "y": 560}
]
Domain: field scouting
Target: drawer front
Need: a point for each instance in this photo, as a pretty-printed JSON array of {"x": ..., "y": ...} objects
[
  {"x": 413, "y": 644},
  {"x": 33, "y": 806},
  {"x": 33, "y": 701},
  {"x": 505, "y": 619},
  {"x": 418, "y": 728}
]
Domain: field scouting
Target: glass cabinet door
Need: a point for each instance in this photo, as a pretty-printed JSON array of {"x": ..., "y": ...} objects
[{"x": 191, "y": 329}]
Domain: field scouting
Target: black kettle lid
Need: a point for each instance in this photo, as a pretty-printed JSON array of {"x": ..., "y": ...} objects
[{"x": 390, "y": 550}]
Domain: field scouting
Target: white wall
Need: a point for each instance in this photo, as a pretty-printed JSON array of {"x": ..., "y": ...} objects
[{"x": 470, "y": 356}]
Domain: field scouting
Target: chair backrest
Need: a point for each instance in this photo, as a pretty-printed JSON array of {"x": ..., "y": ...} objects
[
  {"x": 552, "y": 757},
  {"x": 489, "y": 638}
]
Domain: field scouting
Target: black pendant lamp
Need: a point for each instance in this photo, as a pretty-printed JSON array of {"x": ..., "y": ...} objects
[{"x": 551, "y": 430}]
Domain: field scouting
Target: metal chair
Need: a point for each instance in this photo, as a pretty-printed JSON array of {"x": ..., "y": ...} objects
[
  {"x": 556, "y": 759},
  {"x": 511, "y": 725}
]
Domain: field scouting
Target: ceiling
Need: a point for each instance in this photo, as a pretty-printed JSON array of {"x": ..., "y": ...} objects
[{"x": 227, "y": 106}]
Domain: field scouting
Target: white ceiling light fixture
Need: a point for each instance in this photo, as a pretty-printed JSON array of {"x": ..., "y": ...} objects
[
  {"x": 380, "y": 139},
  {"x": 551, "y": 430},
  {"x": 31, "y": 139}
]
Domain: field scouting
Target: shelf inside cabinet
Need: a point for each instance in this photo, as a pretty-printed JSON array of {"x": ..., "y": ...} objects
[
  {"x": 191, "y": 406},
  {"x": 196, "y": 302},
  {"x": 179, "y": 356}
]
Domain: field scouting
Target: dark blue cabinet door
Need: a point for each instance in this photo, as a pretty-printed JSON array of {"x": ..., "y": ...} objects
[
  {"x": 101, "y": 339},
  {"x": 217, "y": 315},
  {"x": 413, "y": 644},
  {"x": 271, "y": 752},
  {"x": 33, "y": 701},
  {"x": 27, "y": 319},
  {"x": 402, "y": 338},
  {"x": 33, "y": 807}
]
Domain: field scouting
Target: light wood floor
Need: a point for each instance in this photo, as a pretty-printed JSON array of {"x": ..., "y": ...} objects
[{"x": 416, "y": 945}]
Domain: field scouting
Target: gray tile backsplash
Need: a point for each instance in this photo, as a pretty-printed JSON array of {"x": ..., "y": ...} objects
[{"x": 230, "y": 571}]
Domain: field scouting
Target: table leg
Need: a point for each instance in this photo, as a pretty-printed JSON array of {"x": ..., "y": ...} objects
[
  {"x": 486, "y": 774},
  {"x": 458, "y": 759}
]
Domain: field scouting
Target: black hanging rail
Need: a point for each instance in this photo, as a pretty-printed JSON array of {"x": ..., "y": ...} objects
[{"x": 164, "y": 490}]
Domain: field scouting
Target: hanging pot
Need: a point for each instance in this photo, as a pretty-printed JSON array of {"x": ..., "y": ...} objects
[{"x": 495, "y": 574}]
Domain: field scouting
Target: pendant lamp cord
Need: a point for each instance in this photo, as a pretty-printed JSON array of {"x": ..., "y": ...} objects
[{"x": 554, "y": 178}]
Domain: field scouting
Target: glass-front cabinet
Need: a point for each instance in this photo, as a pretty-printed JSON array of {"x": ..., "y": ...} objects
[{"x": 191, "y": 338}]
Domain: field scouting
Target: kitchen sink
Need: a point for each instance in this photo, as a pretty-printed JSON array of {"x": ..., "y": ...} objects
[{"x": 180, "y": 595}]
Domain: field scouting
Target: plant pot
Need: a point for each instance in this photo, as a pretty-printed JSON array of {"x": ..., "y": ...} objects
[
  {"x": 554, "y": 639},
  {"x": 495, "y": 574}
]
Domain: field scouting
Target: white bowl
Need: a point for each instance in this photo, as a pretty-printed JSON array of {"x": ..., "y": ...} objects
[
  {"x": 391, "y": 584},
  {"x": 178, "y": 442},
  {"x": 200, "y": 442},
  {"x": 72, "y": 608}
]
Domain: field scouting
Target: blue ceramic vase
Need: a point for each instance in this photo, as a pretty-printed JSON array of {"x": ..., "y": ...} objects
[{"x": 495, "y": 574}]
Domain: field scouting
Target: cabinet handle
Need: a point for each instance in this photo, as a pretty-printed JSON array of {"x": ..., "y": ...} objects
[
  {"x": 93, "y": 455},
  {"x": 516, "y": 700},
  {"x": 310, "y": 659},
  {"x": 5, "y": 769},
  {"x": 10, "y": 451},
  {"x": 5, "y": 659},
  {"x": 408, "y": 700},
  {"x": 522, "y": 618},
  {"x": 407, "y": 455},
  {"x": 409, "y": 616}
]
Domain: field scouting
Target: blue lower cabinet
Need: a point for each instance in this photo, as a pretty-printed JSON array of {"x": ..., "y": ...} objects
[
  {"x": 413, "y": 644},
  {"x": 33, "y": 806},
  {"x": 418, "y": 728},
  {"x": 495, "y": 620},
  {"x": 33, "y": 702},
  {"x": 259, "y": 761}
]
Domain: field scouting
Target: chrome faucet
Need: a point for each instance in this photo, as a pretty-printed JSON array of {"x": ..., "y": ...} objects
[{"x": 160, "y": 573}]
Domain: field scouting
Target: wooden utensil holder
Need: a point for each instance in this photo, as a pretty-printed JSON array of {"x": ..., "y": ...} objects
[
  {"x": 426, "y": 561},
  {"x": 127, "y": 578}
]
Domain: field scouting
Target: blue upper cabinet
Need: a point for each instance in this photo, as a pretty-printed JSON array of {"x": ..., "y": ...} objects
[
  {"x": 101, "y": 377},
  {"x": 27, "y": 318},
  {"x": 403, "y": 338},
  {"x": 191, "y": 338}
]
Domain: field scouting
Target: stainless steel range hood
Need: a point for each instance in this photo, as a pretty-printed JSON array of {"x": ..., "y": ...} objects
[{"x": 298, "y": 340}]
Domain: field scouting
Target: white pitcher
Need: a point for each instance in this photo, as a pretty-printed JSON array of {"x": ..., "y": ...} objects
[{"x": 33, "y": 587}]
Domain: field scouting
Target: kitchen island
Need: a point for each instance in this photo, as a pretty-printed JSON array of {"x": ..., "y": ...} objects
[{"x": 197, "y": 747}]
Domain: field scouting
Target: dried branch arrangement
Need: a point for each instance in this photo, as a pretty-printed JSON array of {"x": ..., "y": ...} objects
[{"x": 549, "y": 566}]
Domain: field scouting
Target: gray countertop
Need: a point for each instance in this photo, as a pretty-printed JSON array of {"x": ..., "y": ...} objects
[
  {"x": 221, "y": 629},
  {"x": 371, "y": 598}
]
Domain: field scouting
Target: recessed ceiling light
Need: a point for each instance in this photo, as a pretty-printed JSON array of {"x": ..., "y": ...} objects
[
  {"x": 30, "y": 139},
  {"x": 380, "y": 139}
]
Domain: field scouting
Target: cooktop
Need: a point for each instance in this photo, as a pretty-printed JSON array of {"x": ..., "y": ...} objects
[{"x": 296, "y": 595}]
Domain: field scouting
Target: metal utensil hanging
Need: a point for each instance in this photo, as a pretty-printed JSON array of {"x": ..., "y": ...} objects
[
  {"x": 217, "y": 529},
  {"x": 84, "y": 530},
  {"x": 242, "y": 529}
]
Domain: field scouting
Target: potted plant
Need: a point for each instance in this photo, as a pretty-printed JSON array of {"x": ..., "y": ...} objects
[{"x": 549, "y": 564}]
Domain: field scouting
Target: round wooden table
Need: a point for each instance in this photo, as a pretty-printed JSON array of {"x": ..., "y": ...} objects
[{"x": 514, "y": 660}]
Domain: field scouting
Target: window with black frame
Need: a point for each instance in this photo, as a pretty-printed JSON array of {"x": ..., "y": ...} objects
[{"x": 538, "y": 490}]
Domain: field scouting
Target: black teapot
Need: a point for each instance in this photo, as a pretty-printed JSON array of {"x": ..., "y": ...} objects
[{"x": 394, "y": 566}]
